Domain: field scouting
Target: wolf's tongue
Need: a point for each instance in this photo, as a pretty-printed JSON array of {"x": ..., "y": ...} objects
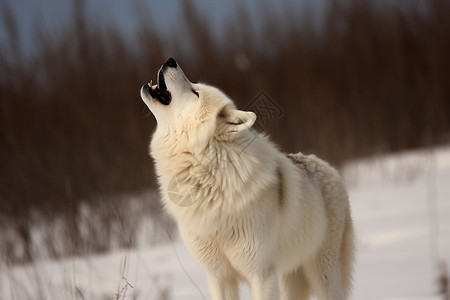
[
  {"x": 160, "y": 92},
  {"x": 163, "y": 96}
]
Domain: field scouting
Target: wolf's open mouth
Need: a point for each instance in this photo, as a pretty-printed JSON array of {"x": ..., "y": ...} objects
[{"x": 159, "y": 91}]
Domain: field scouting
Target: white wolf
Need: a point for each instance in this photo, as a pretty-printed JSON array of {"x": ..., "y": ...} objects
[{"x": 245, "y": 210}]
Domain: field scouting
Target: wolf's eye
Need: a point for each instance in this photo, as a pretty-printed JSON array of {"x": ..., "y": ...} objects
[{"x": 195, "y": 92}]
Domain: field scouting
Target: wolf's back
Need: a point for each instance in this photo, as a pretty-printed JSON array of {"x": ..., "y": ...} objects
[{"x": 314, "y": 167}]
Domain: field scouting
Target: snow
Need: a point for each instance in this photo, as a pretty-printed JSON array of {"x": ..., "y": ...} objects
[{"x": 401, "y": 210}]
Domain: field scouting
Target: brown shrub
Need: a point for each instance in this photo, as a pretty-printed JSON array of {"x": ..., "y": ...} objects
[{"x": 371, "y": 79}]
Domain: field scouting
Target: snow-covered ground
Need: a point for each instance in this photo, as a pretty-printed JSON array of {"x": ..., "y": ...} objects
[{"x": 401, "y": 210}]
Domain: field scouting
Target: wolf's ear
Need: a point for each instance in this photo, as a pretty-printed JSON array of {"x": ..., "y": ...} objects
[{"x": 237, "y": 120}]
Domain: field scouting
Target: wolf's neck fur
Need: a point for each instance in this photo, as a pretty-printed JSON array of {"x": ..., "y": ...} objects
[{"x": 221, "y": 175}]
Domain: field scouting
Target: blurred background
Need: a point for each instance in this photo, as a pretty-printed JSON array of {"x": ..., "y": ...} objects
[{"x": 354, "y": 78}]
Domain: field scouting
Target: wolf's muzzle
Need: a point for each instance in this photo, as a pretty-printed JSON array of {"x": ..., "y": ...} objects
[{"x": 171, "y": 63}]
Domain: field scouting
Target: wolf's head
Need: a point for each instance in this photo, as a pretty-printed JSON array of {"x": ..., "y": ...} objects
[{"x": 196, "y": 110}]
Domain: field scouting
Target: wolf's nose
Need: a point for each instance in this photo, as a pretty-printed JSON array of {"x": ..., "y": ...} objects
[{"x": 171, "y": 63}]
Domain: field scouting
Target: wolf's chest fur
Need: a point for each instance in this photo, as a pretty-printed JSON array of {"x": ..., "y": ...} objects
[{"x": 221, "y": 182}]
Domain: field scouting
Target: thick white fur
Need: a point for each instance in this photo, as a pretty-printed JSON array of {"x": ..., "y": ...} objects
[{"x": 256, "y": 214}]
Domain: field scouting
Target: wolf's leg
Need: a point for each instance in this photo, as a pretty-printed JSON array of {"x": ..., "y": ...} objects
[
  {"x": 223, "y": 288},
  {"x": 222, "y": 278},
  {"x": 293, "y": 285},
  {"x": 262, "y": 285}
]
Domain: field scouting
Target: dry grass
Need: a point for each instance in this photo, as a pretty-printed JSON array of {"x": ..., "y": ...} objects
[{"x": 72, "y": 127}]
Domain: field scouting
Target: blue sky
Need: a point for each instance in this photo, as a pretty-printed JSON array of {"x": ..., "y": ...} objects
[{"x": 52, "y": 14}]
